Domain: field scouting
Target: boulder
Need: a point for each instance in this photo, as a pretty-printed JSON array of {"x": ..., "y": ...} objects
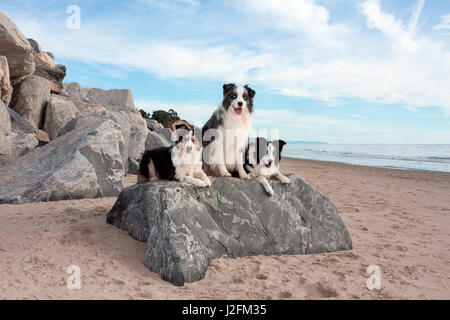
[
  {"x": 19, "y": 123},
  {"x": 133, "y": 128},
  {"x": 5, "y": 84},
  {"x": 23, "y": 143},
  {"x": 16, "y": 48},
  {"x": 44, "y": 58},
  {"x": 53, "y": 74},
  {"x": 153, "y": 125},
  {"x": 154, "y": 141},
  {"x": 35, "y": 45},
  {"x": 114, "y": 100},
  {"x": 42, "y": 137},
  {"x": 5, "y": 131},
  {"x": 59, "y": 111},
  {"x": 166, "y": 133},
  {"x": 186, "y": 227},
  {"x": 133, "y": 166},
  {"x": 30, "y": 98},
  {"x": 84, "y": 163},
  {"x": 75, "y": 91}
]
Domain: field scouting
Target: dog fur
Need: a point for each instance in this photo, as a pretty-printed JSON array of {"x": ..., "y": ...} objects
[
  {"x": 262, "y": 159},
  {"x": 181, "y": 162},
  {"x": 226, "y": 133}
]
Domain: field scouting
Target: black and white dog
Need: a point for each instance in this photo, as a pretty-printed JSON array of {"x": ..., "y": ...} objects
[
  {"x": 181, "y": 162},
  {"x": 225, "y": 135},
  {"x": 262, "y": 159}
]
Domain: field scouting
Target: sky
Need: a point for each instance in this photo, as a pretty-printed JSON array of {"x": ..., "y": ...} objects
[{"x": 339, "y": 71}]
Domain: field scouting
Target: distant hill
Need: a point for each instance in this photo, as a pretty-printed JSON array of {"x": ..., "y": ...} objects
[{"x": 306, "y": 142}]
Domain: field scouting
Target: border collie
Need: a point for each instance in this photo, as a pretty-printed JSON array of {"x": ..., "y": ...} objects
[
  {"x": 262, "y": 159},
  {"x": 181, "y": 162},
  {"x": 225, "y": 135}
]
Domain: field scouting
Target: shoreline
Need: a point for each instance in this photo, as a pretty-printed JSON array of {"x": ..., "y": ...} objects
[{"x": 366, "y": 166}]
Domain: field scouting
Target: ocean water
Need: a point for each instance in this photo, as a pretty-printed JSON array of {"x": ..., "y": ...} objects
[{"x": 433, "y": 157}]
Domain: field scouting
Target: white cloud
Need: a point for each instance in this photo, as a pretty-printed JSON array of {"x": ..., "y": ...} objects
[
  {"x": 411, "y": 108},
  {"x": 358, "y": 116},
  {"x": 402, "y": 68},
  {"x": 418, "y": 7},
  {"x": 391, "y": 65},
  {"x": 444, "y": 26},
  {"x": 299, "y": 17}
]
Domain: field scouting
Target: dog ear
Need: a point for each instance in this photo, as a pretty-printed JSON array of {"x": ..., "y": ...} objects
[
  {"x": 250, "y": 91},
  {"x": 281, "y": 144},
  {"x": 227, "y": 88}
]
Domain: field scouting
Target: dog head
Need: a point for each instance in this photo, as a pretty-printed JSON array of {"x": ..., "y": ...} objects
[
  {"x": 238, "y": 100},
  {"x": 187, "y": 141},
  {"x": 265, "y": 156}
]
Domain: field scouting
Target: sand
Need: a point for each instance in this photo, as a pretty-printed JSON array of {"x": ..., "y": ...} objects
[{"x": 398, "y": 220}]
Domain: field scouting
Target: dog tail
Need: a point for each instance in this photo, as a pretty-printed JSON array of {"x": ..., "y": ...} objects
[{"x": 143, "y": 166}]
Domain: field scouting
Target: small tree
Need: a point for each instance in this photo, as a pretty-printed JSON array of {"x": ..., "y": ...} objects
[
  {"x": 165, "y": 117},
  {"x": 145, "y": 114}
]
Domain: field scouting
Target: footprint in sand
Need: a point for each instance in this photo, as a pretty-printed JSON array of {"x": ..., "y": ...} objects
[
  {"x": 261, "y": 276},
  {"x": 285, "y": 295},
  {"x": 320, "y": 290}
]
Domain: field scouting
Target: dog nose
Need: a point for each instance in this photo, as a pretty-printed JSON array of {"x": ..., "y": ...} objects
[
  {"x": 240, "y": 103},
  {"x": 188, "y": 149}
]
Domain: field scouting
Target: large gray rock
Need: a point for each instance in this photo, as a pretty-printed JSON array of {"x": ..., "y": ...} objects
[
  {"x": 30, "y": 98},
  {"x": 166, "y": 133},
  {"x": 20, "y": 123},
  {"x": 133, "y": 128},
  {"x": 59, "y": 111},
  {"x": 115, "y": 100},
  {"x": 154, "y": 141},
  {"x": 85, "y": 163},
  {"x": 5, "y": 84},
  {"x": 5, "y": 131},
  {"x": 23, "y": 143},
  {"x": 186, "y": 227},
  {"x": 16, "y": 48}
]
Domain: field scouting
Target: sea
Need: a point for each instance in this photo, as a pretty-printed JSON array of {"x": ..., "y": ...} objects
[{"x": 431, "y": 157}]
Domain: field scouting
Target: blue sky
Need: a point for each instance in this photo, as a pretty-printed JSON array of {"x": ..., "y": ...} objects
[{"x": 340, "y": 71}]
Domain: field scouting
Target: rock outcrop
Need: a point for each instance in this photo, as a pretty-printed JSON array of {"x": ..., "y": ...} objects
[
  {"x": 59, "y": 111},
  {"x": 30, "y": 99},
  {"x": 23, "y": 143},
  {"x": 20, "y": 123},
  {"x": 5, "y": 131},
  {"x": 5, "y": 83},
  {"x": 186, "y": 227},
  {"x": 16, "y": 48},
  {"x": 84, "y": 163},
  {"x": 56, "y": 140}
]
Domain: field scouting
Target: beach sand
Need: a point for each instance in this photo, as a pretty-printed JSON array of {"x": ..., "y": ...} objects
[{"x": 398, "y": 220}]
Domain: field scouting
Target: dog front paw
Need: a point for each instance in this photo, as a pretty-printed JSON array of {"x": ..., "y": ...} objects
[
  {"x": 207, "y": 182},
  {"x": 227, "y": 174},
  {"x": 270, "y": 192},
  {"x": 286, "y": 181},
  {"x": 244, "y": 176},
  {"x": 201, "y": 184}
]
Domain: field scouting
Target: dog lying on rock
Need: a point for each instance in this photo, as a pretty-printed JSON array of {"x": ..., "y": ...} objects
[{"x": 181, "y": 162}]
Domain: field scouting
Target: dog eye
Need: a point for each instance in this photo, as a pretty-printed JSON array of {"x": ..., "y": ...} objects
[
  {"x": 245, "y": 98},
  {"x": 234, "y": 96}
]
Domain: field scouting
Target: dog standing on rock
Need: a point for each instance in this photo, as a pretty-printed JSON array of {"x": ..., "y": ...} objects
[{"x": 225, "y": 135}]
